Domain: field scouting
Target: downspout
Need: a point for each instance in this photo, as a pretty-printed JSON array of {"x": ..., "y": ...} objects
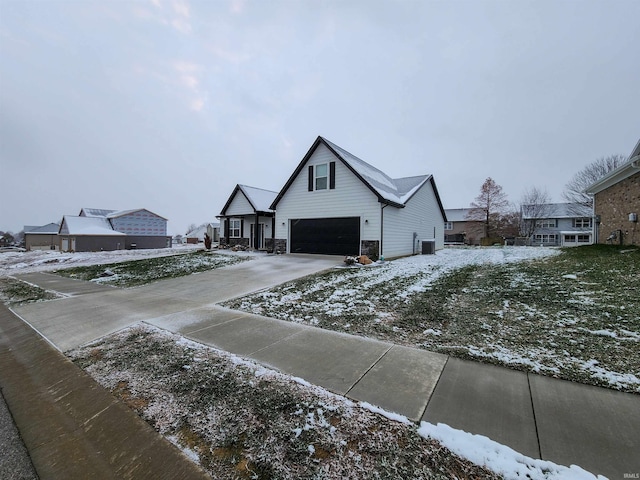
[{"x": 384, "y": 205}]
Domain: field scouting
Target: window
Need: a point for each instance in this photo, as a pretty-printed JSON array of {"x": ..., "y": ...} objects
[
  {"x": 234, "y": 228},
  {"x": 584, "y": 238},
  {"x": 322, "y": 176},
  {"x": 546, "y": 223},
  {"x": 582, "y": 223},
  {"x": 448, "y": 225},
  {"x": 545, "y": 238}
]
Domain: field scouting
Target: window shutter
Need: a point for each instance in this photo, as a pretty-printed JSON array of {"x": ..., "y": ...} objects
[
  {"x": 311, "y": 178},
  {"x": 241, "y": 227},
  {"x": 332, "y": 175}
]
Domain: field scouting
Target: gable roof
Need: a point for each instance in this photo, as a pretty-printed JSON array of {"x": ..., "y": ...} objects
[
  {"x": 396, "y": 192},
  {"x": 77, "y": 225},
  {"x": 199, "y": 232},
  {"x": 94, "y": 212},
  {"x": 555, "y": 210},
  {"x": 48, "y": 229},
  {"x": 459, "y": 215},
  {"x": 103, "y": 213},
  {"x": 631, "y": 167},
  {"x": 122, "y": 213},
  {"x": 259, "y": 199}
]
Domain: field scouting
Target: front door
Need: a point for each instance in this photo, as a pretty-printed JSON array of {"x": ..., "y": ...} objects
[{"x": 260, "y": 236}]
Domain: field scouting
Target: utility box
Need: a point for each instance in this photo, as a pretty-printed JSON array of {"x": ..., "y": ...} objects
[{"x": 428, "y": 247}]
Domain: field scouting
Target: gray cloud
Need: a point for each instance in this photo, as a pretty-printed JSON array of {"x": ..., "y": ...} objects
[{"x": 168, "y": 104}]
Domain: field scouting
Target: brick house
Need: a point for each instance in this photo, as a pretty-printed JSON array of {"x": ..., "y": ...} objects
[{"x": 616, "y": 203}]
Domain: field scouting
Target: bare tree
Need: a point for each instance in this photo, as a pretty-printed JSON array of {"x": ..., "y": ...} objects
[
  {"x": 574, "y": 189},
  {"x": 191, "y": 227},
  {"x": 508, "y": 222},
  {"x": 489, "y": 206},
  {"x": 534, "y": 205}
]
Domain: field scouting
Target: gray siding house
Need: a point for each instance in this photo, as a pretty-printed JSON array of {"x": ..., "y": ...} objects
[
  {"x": 560, "y": 224},
  {"x": 247, "y": 218},
  {"x": 43, "y": 237},
  {"x": 99, "y": 229},
  {"x": 335, "y": 203}
]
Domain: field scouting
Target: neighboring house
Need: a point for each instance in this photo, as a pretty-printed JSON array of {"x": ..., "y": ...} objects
[
  {"x": 335, "y": 203},
  {"x": 247, "y": 218},
  {"x": 44, "y": 237},
  {"x": 616, "y": 203},
  {"x": 561, "y": 224},
  {"x": 197, "y": 235},
  {"x": 460, "y": 229},
  {"x": 98, "y": 229},
  {"x": 89, "y": 234}
]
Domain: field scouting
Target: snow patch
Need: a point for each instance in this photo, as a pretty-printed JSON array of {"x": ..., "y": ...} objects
[{"x": 500, "y": 458}]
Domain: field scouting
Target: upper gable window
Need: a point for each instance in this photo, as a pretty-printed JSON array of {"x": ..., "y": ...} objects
[{"x": 322, "y": 176}]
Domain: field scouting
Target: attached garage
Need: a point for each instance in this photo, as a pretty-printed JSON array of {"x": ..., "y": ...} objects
[{"x": 328, "y": 236}]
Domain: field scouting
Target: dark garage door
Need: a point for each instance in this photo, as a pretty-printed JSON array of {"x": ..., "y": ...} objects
[{"x": 328, "y": 236}]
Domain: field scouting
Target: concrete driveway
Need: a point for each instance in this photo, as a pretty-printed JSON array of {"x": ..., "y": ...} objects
[
  {"x": 92, "y": 311},
  {"x": 540, "y": 417}
]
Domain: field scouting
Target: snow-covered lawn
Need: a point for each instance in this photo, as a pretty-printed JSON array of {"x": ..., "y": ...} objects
[
  {"x": 238, "y": 419},
  {"x": 47, "y": 260},
  {"x": 121, "y": 268},
  {"x": 567, "y": 313}
]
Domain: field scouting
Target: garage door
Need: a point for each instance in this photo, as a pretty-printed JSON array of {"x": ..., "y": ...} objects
[{"x": 328, "y": 236}]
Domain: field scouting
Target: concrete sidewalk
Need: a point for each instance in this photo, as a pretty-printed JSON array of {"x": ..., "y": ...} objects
[
  {"x": 71, "y": 426},
  {"x": 541, "y": 417}
]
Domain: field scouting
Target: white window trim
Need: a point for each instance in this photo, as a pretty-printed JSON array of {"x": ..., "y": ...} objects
[
  {"x": 546, "y": 223},
  {"x": 233, "y": 229},
  {"x": 581, "y": 223},
  {"x": 317, "y": 177}
]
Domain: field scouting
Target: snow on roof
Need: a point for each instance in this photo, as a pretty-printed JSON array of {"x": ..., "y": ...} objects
[
  {"x": 95, "y": 212},
  {"x": 89, "y": 226},
  {"x": 260, "y": 199},
  {"x": 199, "y": 232},
  {"x": 558, "y": 210},
  {"x": 104, "y": 213},
  {"x": 458, "y": 214},
  {"x": 397, "y": 190},
  {"x": 48, "y": 229}
]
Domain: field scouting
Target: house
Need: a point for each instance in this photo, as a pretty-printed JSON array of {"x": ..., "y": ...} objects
[
  {"x": 44, "y": 237},
  {"x": 460, "y": 229},
  {"x": 247, "y": 218},
  {"x": 98, "y": 229},
  {"x": 559, "y": 224},
  {"x": 197, "y": 235},
  {"x": 616, "y": 203},
  {"x": 89, "y": 234},
  {"x": 337, "y": 204}
]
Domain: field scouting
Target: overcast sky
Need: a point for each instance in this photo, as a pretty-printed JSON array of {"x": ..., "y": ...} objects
[{"x": 167, "y": 105}]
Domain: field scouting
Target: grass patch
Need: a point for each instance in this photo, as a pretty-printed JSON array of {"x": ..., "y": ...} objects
[
  {"x": 16, "y": 292},
  {"x": 241, "y": 420},
  {"x": 140, "y": 272},
  {"x": 574, "y": 316}
]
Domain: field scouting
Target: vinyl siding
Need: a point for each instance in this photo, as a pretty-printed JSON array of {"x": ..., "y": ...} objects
[
  {"x": 247, "y": 221},
  {"x": 239, "y": 205},
  {"x": 140, "y": 223},
  {"x": 350, "y": 198},
  {"x": 422, "y": 216}
]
